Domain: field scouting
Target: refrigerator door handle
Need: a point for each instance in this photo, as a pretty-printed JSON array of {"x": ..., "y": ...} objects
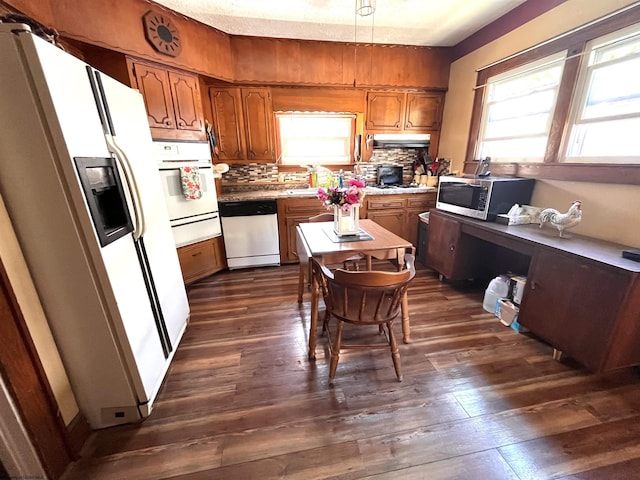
[{"x": 132, "y": 186}]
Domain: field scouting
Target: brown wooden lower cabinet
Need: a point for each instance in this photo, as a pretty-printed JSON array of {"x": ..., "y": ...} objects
[
  {"x": 581, "y": 296},
  {"x": 579, "y": 307},
  {"x": 292, "y": 212},
  {"x": 398, "y": 213},
  {"x": 451, "y": 254},
  {"x": 202, "y": 259}
]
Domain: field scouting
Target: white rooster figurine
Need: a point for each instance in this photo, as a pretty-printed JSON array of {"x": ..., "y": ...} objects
[{"x": 562, "y": 221}]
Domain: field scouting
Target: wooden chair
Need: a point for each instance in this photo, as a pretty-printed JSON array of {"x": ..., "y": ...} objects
[{"x": 363, "y": 298}]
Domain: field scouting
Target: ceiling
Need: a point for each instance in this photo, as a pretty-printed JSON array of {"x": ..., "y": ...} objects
[{"x": 433, "y": 23}]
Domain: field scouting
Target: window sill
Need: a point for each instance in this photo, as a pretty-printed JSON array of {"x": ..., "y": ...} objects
[{"x": 573, "y": 172}]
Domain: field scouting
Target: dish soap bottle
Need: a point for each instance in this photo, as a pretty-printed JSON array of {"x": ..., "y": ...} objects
[{"x": 341, "y": 179}]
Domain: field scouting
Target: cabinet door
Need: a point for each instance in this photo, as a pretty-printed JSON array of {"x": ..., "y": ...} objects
[
  {"x": 291, "y": 212},
  {"x": 226, "y": 105},
  {"x": 392, "y": 220},
  {"x": 153, "y": 83},
  {"x": 258, "y": 123},
  {"x": 456, "y": 256},
  {"x": 423, "y": 112},
  {"x": 444, "y": 235},
  {"x": 385, "y": 111},
  {"x": 573, "y": 305},
  {"x": 219, "y": 257},
  {"x": 186, "y": 101},
  {"x": 290, "y": 255}
]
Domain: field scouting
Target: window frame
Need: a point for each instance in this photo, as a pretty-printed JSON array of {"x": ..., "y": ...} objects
[
  {"x": 551, "y": 167},
  {"x": 296, "y": 167}
]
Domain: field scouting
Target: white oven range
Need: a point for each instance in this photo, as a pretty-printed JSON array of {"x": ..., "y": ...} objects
[{"x": 191, "y": 220}]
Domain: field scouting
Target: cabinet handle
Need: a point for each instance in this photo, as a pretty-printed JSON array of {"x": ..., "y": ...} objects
[
  {"x": 533, "y": 285},
  {"x": 196, "y": 254},
  {"x": 452, "y": 247},
  {"x": 168, "y": 123},
  {"x": 181, "y": 124}
]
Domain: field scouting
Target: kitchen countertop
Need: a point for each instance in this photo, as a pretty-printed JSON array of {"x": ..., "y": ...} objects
[{"x": 311, "y": 192}]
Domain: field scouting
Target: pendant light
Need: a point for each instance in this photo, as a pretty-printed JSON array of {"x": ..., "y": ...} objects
[{"x": 365, "y": 8}]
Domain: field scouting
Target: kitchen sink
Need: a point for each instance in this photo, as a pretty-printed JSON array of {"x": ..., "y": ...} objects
[{"x": 300, "y": 192}]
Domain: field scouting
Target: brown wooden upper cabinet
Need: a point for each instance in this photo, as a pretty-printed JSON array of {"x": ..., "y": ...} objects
[
  {"x": 403, "y": 111},
  {"x": 172, "y": 99},
  {"x": 243, "y": 123}
]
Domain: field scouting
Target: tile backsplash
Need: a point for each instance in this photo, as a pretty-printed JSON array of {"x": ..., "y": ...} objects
[{"x": 265, "y": 173}]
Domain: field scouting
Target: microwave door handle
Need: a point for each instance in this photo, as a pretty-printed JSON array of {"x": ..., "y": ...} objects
[{"x": 132, "y": 187}]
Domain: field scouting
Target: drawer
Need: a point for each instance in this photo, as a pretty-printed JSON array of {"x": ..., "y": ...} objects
[
  {"x": 385, "y": 203},
  {"x": 425, "y": 201},
  {"x": 196, "y": 259},
  {"x": 310, "y": 206}
]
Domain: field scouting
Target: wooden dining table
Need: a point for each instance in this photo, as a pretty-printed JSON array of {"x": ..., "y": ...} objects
[{"x": 318, "y": 240}]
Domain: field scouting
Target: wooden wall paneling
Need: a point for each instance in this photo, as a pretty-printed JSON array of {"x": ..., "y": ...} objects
[
  {"x": 205, "y": 50},
  {"x": 289, "y": 61},
  {"x": 243, "y": 59},
  {"x": 434, "y": 143},
  {"x": 26, "y": 380},
  {"x": 30, "y": 7},
  {"x": 318, "y": 99},
  {"x": 283, "y": 61},
  {"x": 254, "y": 59},
  {"x": 322, "y": 60},
  {"x": 361, "y": 64},
  {"x": 405, "y": 66}
]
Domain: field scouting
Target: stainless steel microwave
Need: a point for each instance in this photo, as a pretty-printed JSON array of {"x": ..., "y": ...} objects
[{"x": 482, "y": 198}]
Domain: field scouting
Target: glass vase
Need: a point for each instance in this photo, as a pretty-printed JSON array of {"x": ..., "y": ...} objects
[{"x": 346, "y": 222}]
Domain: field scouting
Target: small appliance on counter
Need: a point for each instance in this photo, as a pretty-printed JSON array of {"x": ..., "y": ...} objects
[
  {"x": 389, "y": 176},
  {"x": 482, "y": 198}
]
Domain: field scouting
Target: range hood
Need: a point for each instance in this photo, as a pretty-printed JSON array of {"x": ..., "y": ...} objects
[{"x": 401, "y": 140}]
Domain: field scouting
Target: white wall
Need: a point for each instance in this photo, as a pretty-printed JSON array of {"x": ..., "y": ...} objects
[{"x": 610, "y": 211}]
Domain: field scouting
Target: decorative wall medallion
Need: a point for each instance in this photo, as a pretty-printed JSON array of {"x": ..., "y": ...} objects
[{"x": 161, "y": 33}]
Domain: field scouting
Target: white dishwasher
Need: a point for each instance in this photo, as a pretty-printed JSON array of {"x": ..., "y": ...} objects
[{"x": 250, "y": 230}]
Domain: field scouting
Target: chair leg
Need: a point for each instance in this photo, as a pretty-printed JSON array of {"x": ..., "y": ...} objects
[
  {"x": 300, "y": 282},
  {"x": 335, "y": 353},
  {"x": 325, "y": 321},
  {"x": 395, "y": 354}
]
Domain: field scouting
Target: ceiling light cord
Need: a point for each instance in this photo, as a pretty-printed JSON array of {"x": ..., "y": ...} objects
[{"x": 364, "y": 8}]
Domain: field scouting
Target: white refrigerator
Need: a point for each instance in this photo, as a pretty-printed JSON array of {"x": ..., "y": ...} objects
[{"x": 84, "y": 195}]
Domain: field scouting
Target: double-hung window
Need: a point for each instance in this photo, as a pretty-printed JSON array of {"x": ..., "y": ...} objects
[
  {"x": 566, "y": 109},
  {"x": 315, "y": 138},
  {"x": 517, "y": 111},
  {"x": 605, "y": 117}
]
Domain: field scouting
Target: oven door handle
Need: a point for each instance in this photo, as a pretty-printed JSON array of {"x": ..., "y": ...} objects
[{"x": 132, "y": 186}]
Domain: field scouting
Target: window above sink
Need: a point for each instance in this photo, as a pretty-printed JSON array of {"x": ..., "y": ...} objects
[{"x": 315, "y": 138}]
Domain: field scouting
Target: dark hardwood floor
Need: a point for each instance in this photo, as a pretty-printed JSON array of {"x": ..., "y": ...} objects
[{"x": 478, "y": 401}]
